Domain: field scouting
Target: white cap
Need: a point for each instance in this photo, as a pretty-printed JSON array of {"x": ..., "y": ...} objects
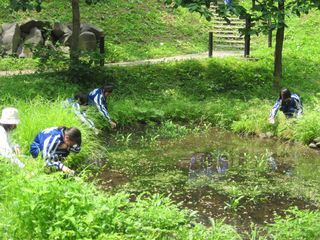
[{"x": 9, "y": 116}]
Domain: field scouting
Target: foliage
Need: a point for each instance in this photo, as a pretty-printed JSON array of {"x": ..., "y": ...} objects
[
  {"x": 296, "y": 225},
  {"x": 134, "y": 29},
  {"x": 50, "y": 207}
]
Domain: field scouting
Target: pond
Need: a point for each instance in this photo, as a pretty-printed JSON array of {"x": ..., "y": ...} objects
[{"x": 218, "y": 174}]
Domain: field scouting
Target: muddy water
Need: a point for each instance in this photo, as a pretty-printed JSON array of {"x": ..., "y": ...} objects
[
  {"x": 302, "y": 160},
  {"x": 292, "y": 160},
  {"x": 289, "y": 159}
]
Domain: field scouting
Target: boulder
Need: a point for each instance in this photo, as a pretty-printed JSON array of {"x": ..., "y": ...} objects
[
  {"x": 87, "y": 41},
  {"x": 28, "y": 25},
  {"x": 59, "y": 30},
  {"x": 34, "y": 38},
  {"x": 313, "y": 145},
  {"x": 90, "y": 28},
  {"x": 10, "y": 37},
  {"x": 317, "y": 140}
]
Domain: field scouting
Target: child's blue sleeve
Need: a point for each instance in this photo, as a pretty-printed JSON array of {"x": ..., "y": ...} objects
[{"x": 275, "y": 108}]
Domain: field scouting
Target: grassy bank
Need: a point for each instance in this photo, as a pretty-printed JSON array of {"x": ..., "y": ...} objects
[
  {"x": 134, "y": 29},
  {"x": 167, "y": 101}
]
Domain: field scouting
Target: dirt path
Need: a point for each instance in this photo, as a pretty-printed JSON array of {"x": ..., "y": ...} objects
[{"x": 219, "y": 54}]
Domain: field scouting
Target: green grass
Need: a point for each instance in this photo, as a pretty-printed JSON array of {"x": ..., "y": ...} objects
[
  {"x": 134, "y": 29},
  {"x": 52, "y": 207},
  {"x": 172, "y": 100}
]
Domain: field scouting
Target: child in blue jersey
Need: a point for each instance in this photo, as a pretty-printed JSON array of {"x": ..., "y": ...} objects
[
  {"x": 289, "y": 103},
  {"x": 98, "y": 97},
  {"x": 55, "y": 144},
  {"x": 81, "y": 99}
]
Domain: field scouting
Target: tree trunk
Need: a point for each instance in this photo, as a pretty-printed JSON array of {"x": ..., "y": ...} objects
[
  {"x": 279, "y": 46},
  {"x": 74, "y": 51}
]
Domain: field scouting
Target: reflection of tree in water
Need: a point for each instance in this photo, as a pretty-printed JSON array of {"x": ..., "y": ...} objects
[
  {"x": 209, "y": 163},
  {"x": 202, "y": 164}
]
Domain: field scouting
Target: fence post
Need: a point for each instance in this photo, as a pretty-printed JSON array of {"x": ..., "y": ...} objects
[
  {"x": 210, "y": 44},
  {"x": 247, "y": 37},
  {"x": 102, "y": 50}
]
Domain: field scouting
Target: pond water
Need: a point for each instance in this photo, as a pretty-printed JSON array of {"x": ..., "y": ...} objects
[{"x": 226, "y": 176}]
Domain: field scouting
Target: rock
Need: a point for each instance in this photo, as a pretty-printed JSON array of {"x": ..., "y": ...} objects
[
  {"x": 269, "y": 134},
  {"x": 318, "y": 144},
  {"x": 262, "y": 135},
  {"x": 87, "y": 41},
  {"x": 10, "y": 37},
  {"x": 313, "y": 145},
  {"x": 59, "y": 30},
  {"x": 34, "y": 38},
  {"x": 49, "y": 44},
  {"x": 28, "y": 25},
  {"x": 65, "y": 40},
  {"x": 24, "y": 52},
  {"x": 64, "y": 49},
  {"x": 90, "y": 28},
  {"x": 317, "y": 140}
]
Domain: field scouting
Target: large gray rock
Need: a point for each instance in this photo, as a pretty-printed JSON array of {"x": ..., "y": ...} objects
[
  {"x": 28, "y": 25},
  {"x": 90, "y": 28},
  {"x": 60, "y": 29},
  {"x": 87, "y": 41},
  {"x": 34, "y": 38},
  {"x": 10, "y": 37}
]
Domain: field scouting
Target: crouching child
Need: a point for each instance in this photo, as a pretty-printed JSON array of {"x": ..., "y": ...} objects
[{"x": 55, "y": 144}]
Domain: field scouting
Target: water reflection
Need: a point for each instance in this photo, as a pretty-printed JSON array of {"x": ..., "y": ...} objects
[
  {"x": 285, "y": 157},
  {"x": 201, "y": 164}
]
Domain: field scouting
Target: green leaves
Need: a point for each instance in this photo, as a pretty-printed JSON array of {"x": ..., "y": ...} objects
[{"x": 26, "y": 5}]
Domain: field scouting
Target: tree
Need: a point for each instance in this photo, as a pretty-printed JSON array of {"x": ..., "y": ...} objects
[{"x": 266, "y": 15}]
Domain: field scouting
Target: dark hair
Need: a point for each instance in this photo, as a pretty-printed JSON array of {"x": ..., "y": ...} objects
[
  {"x": 74, "y": 135},
  {"x": 107, "y": 88},
  {"x": 81, "y": 98},
  {"x": 284, "y": 94}
]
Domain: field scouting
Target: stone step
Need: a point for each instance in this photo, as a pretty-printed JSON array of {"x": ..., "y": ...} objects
[
  {"x": 221, "y": 46},
  {"x": 226, "y": 27},
  {"x": 229, "y": 36},
  {"x": 235, "y": 20},
  {"x": 230, "y": 24},
  {"x": 225, "y": 32},
  {"x": 228, "y": 41}
]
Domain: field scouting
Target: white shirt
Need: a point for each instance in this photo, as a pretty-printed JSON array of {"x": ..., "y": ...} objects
[{"x": 6, "y": 150}]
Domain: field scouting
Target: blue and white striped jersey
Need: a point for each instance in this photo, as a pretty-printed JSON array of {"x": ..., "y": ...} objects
[
  {"x": 77, "y": 110},
  {"x": 293, "y": 108},
  {"x": 96, "y": 97},
  {"x": 48, "y": 142}
]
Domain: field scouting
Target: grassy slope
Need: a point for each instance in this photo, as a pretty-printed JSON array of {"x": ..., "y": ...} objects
[
  {"x": 231, "y": 93},
  {"x": 134, "y": 29}
]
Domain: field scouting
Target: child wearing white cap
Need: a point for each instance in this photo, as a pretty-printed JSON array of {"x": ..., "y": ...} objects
[{"x": 8, "y": 122}]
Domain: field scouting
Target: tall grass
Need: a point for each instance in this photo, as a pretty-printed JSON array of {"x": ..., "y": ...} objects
[{"x": 51, "y": 207}]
